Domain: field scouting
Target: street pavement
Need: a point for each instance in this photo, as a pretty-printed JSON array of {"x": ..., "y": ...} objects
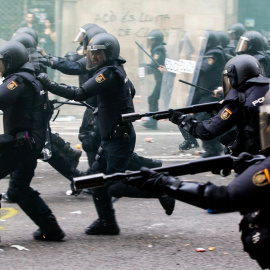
[{"x": 149, "y": 238}]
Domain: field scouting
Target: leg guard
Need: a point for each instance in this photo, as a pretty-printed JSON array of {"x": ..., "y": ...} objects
[
  {"x": 72, "y": 155},
  {"x": 106, "y": 223}
]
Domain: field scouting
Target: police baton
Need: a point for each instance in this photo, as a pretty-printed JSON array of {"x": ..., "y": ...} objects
[
  {"x": 147, "y": 54},
  {"x": 81, "y": 103},
  {"x": 196, "y": 86}
]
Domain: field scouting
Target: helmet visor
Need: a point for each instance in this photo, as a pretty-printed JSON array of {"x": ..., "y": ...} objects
[
  {"x": 226, "y": 83},
  {"x": 265, "y": 127},
  {"x": 242, "y": 44},
  {"x": 79, "y": 35},
  {"x": 150, "y": 41}
]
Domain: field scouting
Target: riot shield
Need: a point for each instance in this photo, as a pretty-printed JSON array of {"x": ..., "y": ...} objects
[{"x": 184, "y": 60}]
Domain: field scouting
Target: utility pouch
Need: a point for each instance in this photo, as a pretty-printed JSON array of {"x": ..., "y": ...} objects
[
  {"x": 24, "y": 141},
  {"x": 121, "y": 131},
  {"x": 6, "y": 141}
]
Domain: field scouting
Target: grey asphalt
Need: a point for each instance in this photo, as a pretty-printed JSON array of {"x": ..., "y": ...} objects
[{"x": 149, "y": 238}]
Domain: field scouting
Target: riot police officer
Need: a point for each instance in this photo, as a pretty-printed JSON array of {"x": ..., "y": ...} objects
[
  {"x": 89, "y": 133},
  {"x": 158, "y": 52},
  {"x": 210, "y": 77},
  {"x": 248, "y": 193},
  {"x": 252, "y": 43},
  {"x": 244, "y": 89},
  {"x": 22, "y": 101},
  {"x": 113, "y": 88},
  {"x": 61, "y": 156}
]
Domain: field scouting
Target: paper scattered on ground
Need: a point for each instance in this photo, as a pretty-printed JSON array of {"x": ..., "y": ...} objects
[
  {"x": 19, "y": 247},
  {"x": 76, "y": 212}
]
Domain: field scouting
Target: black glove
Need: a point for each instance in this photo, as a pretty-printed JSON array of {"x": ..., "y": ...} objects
[
  {"x": 46, "y": 60},
  {"x": 241, "y": 164},
  {"x": 154, "y": 181},
  {"x": 175, "y": 116},
  {"x": 44, "y": 79}
]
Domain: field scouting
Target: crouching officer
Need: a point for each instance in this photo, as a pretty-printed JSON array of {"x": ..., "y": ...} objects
[
  {"x": 248, "y": 194},
  {"x": 22, "y": 101},
  {"x": 113, "y": 89},
  {"x": 244, "y": 89}
]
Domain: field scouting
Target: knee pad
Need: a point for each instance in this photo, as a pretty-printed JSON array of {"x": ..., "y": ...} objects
[{"x": 17, "y": 194}]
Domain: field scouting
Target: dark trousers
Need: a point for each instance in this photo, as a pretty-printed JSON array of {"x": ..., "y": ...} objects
[
  {"x": 21, "y": 165},
  {"x": 154, "y": 97},
  {"x": 117, "y": 152}
]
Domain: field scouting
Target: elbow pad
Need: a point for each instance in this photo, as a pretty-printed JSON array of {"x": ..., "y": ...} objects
[
  {"x": 194, "y": 193},
  {"x": 62, "y": 90}
]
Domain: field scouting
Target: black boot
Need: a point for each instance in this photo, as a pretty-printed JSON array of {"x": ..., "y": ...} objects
[
  {"x": 189, "y": 142},
  {"x": 99, "y": 227},
  {"x": 106, "y": 223},
  {"x": 49, "y": 230},
  {"x": 73, "y": 155}
]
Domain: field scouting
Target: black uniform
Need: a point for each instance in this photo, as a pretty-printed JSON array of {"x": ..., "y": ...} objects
[
  {"x": 113, "y": 89},
  {"x": 89, "y": 133},
  {"x": 210, "y": 77},
  {"x": 244, "y": 115},
  {"x": 23, "y": 102},
  {"x": 158, "y": 52},
  {"x": 248, "y": 194}
]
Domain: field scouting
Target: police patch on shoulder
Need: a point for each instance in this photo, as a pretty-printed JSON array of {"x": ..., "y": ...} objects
[
  {"x": 211, "y": 61},
  {"x": 100, "y": 78},
  {"x": 156, "y": 56},
  {"x": 12, "y": 85},
  {"x": 225, "y": 114},
  {"x": 261, "y": 178}
]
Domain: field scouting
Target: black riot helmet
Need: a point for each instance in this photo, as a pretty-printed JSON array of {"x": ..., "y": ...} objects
[
  {"x": 90, "y": 33},
  {"x": 236, "y": 30},
  {"x": 108, "y": 48},
  {"x": 238, "y": 71},
  {"x": 81, "y": 32},
  {"x": 265, "y": 125},
  {"x": 27, "y": 40},
  {"x": 27, "y": 30},
  {"x": 212, "y": 39},
  {"x": 154, "y": 38},
  {"x": 250, "y": 42},
  {"x": 223, "y": 38},
  {"x": 13, "y": 55}
]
